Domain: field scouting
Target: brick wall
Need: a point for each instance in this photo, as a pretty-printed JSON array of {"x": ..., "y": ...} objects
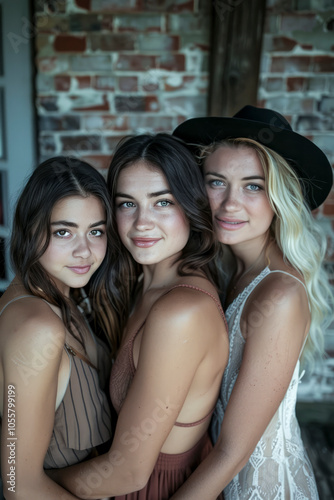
[
  {"x": 297, "y": 79},
  {"x": 106, "y": 69}
]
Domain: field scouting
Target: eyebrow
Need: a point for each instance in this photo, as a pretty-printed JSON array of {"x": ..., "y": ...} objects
[
  {"x": 248, "y": 178},
  {"x": 73, "y": 224},
  {"x": 150, "y": 195}
]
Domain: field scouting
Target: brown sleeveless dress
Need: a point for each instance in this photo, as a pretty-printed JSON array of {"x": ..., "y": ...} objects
[
  {"x": 83, "y": 418},
  {"x": 171, "y": 470}
]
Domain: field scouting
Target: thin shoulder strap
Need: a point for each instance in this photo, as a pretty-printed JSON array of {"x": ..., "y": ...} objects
[
  {"x": 295, "y": 278},
  {"x": 18, "y": 298},
  {"x": 291, "y": 275},
  {"x": 184, "y": 285}
]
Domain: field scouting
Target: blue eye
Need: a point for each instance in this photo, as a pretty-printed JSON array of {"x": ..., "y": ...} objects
[
  {"x": 164, "y": 203},
  {"x": 254, "y": 187},
  {"x": 126, "y": 204},
  {"x": 216, "y": 183}
]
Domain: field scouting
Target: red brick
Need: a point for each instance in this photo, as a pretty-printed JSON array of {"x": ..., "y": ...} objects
[
  {"x": 107, "y": 22},
  {"x": 105, "y": 122},
  {"x": 168, "y": 6},
  {"x": 112, "y": 141},
  {"x": 83, "y": 4},
  {"x": 68, "y": 43},
  {"x": 62, "y": 122},
  {"x": 53, "y": 64},
  {"x": 83, "y": 82},
  {"x": 112, "y": 42},
  {"x": 153, "y": 124},
  {"x": 177, "y": 82},
  {"x": 128, "y": 83},
  {"x": 323, "y": 64},
  {"x": 100, "y": 162},
  {"x": 152, "y": 104},
  {"x": 100, "y": 103},
  {"x": 172, "y": 62},
  {"x": 150, "y": 87},
  {"x": 328, "y": 208},
  {"x": 104, "y": 82},
  {"x": 306, "y": 46},
  {"x": 283, "y": 43},
  {"x": 62, "y": 82},
  {"x": 188, "y": 106},
  {"x": 291, "y": 64},
  {"x": 127, "y": 62},
  {"x": 295, "y": 84},
  {"x": 80, "y": 143}
]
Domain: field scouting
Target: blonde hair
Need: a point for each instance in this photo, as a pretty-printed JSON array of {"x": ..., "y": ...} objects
[{"x": 296, "y": 233}]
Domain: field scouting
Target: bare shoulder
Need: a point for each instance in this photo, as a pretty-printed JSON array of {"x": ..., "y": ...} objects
[
  {"x": 279, "y": 300},
  {"x": 187, "y": 309},
  {"x": 282, "y": 287},
  {"x": 31, "y": 322}
]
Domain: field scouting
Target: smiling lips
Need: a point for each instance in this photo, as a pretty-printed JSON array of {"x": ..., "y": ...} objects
[
  {"x": 145, "y": 242},
  {"x": 231, "y": 224}
]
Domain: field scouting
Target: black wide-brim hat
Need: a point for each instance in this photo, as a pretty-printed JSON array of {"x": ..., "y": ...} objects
[{"x": 272, "y": 130}]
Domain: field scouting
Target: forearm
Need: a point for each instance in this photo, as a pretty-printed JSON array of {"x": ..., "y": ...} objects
[
  {"x": 108, "y": 475},
  {"x": 211, "y": 476}
]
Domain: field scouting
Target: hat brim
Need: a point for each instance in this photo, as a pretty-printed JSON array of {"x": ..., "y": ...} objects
[{"x": 309, "y": 162}]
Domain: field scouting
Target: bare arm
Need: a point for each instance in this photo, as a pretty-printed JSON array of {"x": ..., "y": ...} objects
[
  {"x": 270, "y": 355},
  {"x": 172, "y": 348},
  {"x": 31, "y": 354}
]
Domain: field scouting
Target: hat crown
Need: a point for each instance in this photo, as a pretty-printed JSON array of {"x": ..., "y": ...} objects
[{"x": 263, "y": 115}]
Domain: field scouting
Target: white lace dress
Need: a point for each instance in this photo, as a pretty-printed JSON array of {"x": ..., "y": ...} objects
[{"x": 279, "y": 468}]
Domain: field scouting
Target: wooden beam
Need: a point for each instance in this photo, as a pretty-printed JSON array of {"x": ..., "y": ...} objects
[{"x": 237, "y": 28}]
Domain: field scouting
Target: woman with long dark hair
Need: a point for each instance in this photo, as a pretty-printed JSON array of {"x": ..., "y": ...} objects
[
  {"x": 53, "y": 408},
  {"x": 173, "y": 348}
]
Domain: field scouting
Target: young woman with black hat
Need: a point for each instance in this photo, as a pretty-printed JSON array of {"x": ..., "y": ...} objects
[{"x": 263, "y": 180}]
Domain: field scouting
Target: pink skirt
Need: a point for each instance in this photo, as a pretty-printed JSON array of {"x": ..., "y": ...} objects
[{"x": 171, "y": 471}]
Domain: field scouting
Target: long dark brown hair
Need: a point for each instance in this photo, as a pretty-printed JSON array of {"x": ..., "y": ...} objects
[
  {"x": 170, "y": 156},
  {"x": 53, "y": 180}
]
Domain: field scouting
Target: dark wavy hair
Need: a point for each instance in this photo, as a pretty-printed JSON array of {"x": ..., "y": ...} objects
[
  {"x": 170, "y": 156},
  {"x": 53, "y": 180}
]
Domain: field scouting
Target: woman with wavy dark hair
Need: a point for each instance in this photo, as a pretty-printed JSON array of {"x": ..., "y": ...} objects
[
  {"x": 166, "y": 377},
  {"x": 52, "y": 368}
]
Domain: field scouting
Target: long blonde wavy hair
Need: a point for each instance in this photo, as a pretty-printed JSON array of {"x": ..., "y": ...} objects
[{"x": 297, "y": 234}]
